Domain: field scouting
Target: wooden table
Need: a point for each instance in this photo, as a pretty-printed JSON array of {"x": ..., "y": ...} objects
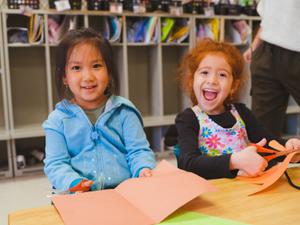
[{"x": 279, "y": 204}]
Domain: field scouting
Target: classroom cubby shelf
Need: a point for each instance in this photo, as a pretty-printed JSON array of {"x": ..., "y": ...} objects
[
  {"x": 6, "y": 168},
  {"x": 147, "y": 74}
]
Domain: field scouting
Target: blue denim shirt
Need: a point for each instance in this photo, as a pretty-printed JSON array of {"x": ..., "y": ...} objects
[{"x": 112, "y": 150}]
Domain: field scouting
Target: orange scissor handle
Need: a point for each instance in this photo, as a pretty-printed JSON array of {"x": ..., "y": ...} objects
[
  {"x": 272, "y": 154},
  {"x": 82, "y": 186}
]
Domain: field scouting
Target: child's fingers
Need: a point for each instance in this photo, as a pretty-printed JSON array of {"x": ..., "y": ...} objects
[
  {"x": 262, "y": 142},
  {"x": 242, "y": 173},
  {"x": 145, "y": 173},
  {"x": 87, "y": 183},
  {"x": 292, "y": 143},
  {"x": 264, "y": 165}
]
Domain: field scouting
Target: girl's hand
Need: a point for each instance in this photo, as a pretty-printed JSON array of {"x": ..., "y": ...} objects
[
  {"x": 146, "y": 172},
  {"x": 293, "y": 143},
  {"x": 248, "y": 161},
  {"x": 248, "y": 55}
]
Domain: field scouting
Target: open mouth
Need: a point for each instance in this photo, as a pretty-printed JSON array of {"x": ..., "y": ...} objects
[
  {"x": 88, "y": 87},
  {"x": 210, "y": 95}
]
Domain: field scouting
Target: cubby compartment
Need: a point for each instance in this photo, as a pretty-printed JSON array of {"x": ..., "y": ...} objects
[
  {"x": 238, "y": 32},
  {"x": 175, "y": 30},
  {"x": 142, "y": 29},
  {"x": 28, "y": 86},
  {"x": 207, "y": 28},
  {"x": 5, "y": 160},
  {"x": 28, "y": 155},
  {"x": 172, "y": 94},
  {"x": 24, "y": 29},
  {"x": 144, "y": 78},
  {"x": 17, "y": 22},
  {"x": 59, "y": 24},
  {"x": 111, "y": 27}
]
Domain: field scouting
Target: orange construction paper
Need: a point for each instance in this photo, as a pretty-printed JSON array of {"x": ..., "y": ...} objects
[
  {"x": 260, "y": 179},
  {"x": 270, "y": 176},
  {"x": 136, "y": 201},
  {"x": 274, "y": 176},
  {"x": 274, "y": 144}
]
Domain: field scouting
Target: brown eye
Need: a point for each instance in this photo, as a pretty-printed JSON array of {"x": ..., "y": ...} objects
[
  {"x": 75, "y": 68},
  {"x": 204, "y": 72},
  {"x": 97, "y": 66}
]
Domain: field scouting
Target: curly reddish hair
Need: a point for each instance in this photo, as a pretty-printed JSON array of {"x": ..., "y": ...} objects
[{"x": 205, "y": 47}]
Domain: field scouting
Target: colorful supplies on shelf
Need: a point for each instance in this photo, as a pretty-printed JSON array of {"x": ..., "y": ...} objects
[
  {"x": 176, "y": 31},
  {"x": 36, "y": 29},
  {"x": 112, "y": 28},
  {"x": 15, "y": 4},
  {"x": 142, "y": 30},
  {"x": 167, "y": 26},
  {"x": 17, "y": 35},
  {"x": 208, "y": 28},
  {"x": 58, "y": 25}
]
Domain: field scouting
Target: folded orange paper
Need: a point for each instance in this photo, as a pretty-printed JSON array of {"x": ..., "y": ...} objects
[
  {"x": 136, "y": 201},
  {"x": 270, "y": 176}
]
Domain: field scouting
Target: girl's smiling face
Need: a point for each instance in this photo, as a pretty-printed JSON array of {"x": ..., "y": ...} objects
[
  {"x": 213, "y": 83},
  {"x": 86, "y": 76}
]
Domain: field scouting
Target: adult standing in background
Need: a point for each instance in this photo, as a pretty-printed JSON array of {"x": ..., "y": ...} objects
[{"x": 275, "y": 61}]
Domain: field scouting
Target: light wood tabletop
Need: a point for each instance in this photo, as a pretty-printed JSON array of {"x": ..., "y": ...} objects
[{"x": 279, "y": 204}]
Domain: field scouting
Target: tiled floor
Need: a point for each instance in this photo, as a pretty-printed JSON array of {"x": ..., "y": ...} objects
[{"x": 26, "y": 192}]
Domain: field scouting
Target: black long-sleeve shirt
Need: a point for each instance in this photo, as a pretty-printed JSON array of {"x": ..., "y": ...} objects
[{"x": 191, "y": 159}]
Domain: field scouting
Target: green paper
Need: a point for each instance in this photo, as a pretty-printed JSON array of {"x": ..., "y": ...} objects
[{"x": 194, "y": 218}]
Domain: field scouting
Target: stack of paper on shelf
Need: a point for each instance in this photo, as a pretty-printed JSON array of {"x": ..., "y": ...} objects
[
  {"x": 59, "y": 25},
  {"x": 175, "y": 31},
  {"x": 111, "y": 28},
  {"x": 36, "y": 29},
  {"x": 167, "y": 26},
  {"x": 151, "y": 29},
  {"x": 116, "y": 28},
  {"x": 142, "y": 30},
  {"x": 137, "y": 201},
  {"x": 209, "y": 28},
  {"x": 238, "y": 32}
]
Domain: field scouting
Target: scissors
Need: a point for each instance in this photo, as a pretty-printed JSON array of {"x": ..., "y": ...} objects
[
  {"x": 80, "y": 187},
  {"x": 272, "y": 154}
]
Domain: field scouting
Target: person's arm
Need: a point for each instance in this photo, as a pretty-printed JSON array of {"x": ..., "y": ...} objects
[
  {"x": 139, "y": 155},
  {"x": 57, "y": 161},
  {"x": 256, "y": 42},
  {"x": 190, "y": 157}
]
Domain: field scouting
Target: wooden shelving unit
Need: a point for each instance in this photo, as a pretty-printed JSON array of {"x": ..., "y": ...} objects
[{"x": 147, "y": 76}]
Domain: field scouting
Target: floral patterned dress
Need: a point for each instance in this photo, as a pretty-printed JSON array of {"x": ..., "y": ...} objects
[{"x": 214, "y": 140}]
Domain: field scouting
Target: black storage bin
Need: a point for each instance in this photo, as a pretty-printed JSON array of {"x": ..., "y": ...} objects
[{"x": 13, "y": 4}]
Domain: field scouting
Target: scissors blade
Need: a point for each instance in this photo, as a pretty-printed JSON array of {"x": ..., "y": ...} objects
[{"x": 286, "y": 152}]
